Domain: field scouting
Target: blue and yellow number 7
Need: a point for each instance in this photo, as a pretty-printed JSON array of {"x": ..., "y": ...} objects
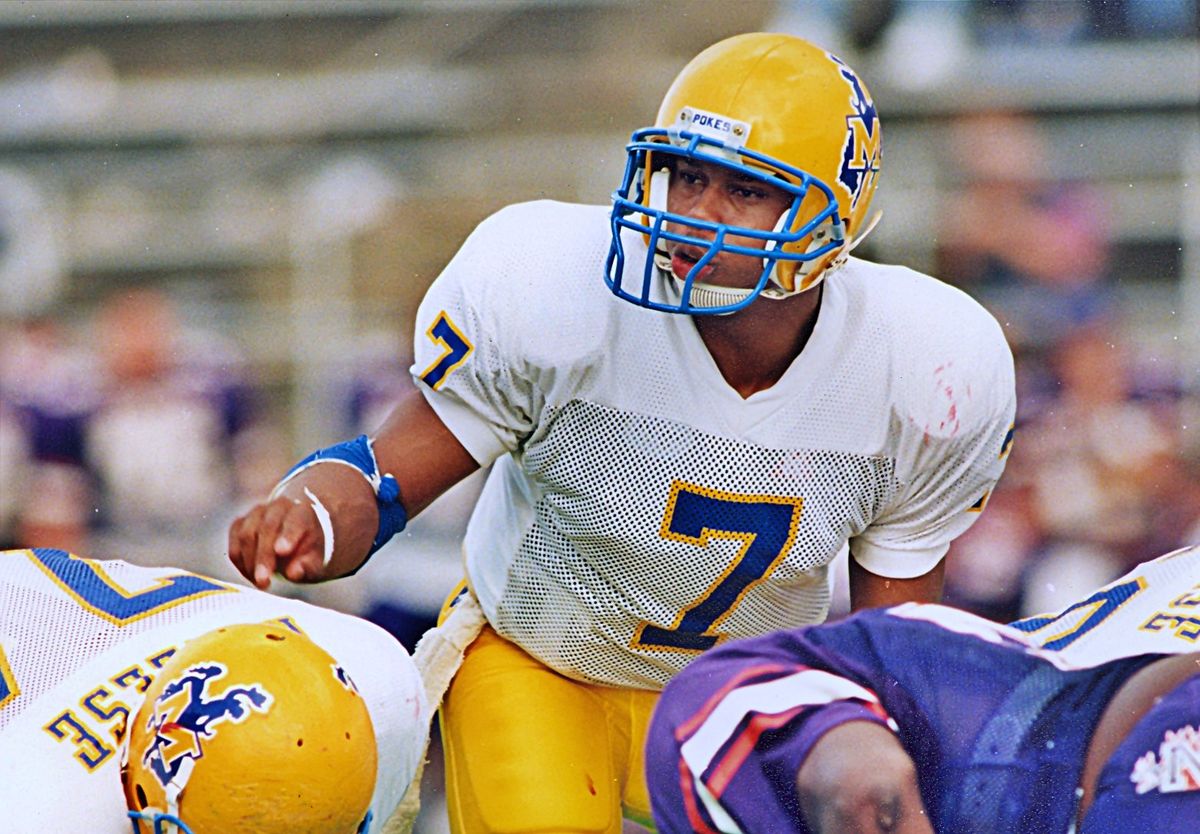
[
  {"x": 455, "y": 350},
  {"x": 87, "y": 583},
  {"x": 765, "y": 524}
]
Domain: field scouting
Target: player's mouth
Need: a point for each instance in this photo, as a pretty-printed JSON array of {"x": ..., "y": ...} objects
[{"x": 683, "y": 258}]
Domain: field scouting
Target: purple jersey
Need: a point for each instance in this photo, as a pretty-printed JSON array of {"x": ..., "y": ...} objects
[{"x": 998, "y": 728}]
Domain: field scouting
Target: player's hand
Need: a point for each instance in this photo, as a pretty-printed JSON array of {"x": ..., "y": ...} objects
[
  {"x": 280, "y": 535},
  {"x": 283, "y": 534}
]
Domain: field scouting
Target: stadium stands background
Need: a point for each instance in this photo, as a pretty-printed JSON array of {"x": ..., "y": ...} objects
[{"x": 217, "y": 219}]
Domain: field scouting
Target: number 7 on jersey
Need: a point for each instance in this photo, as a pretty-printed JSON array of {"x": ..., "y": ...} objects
[
  {"x": 455, "y": 350},
  {"x": 765, "y": 524}
]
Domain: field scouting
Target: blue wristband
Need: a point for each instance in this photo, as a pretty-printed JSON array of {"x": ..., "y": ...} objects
[{"x": 360, "y": 456}]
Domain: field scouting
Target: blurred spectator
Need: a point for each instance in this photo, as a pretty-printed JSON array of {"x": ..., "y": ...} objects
[
  {"x": 1031, "y": 246},
  {"x": 50, "y": 383},
  {"x": 58, "y": 506},
  {"x": 48, "y": 393},
  {"x": 379, "y": 374},
  {"x": 1096, "y": 483},
  {"x": 1065, "y": 572},
  {"x": 985, "y": 572},
  {"x": 1096, "y": 480},
  {"x": 1173, "y": 499},
  {"x": 1098, "y": 452},
  {"x": 137, "y": 445},
  {"x": 161, "y": 441}
]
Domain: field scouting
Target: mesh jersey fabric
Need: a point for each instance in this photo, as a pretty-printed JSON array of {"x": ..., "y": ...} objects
[
  {"x": 70, "y": 626},
  {"x": 638, "y": 508}
]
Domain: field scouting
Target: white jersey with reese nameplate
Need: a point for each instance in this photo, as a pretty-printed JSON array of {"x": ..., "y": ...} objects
[
  {"x": 639, "y": 510},
  {"x": 81, "y": 639}
]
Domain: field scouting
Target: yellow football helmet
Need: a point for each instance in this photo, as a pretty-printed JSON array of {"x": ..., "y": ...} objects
[
  {"x": 779, "y": 109},
  {"x": 250, "y": 728}
]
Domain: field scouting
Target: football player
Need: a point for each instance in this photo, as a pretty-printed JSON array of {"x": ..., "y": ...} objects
[
  {"x": 164, "y": 701},
  {"x": 691, "y": 401},
  {"x": 922, "y": 718}
]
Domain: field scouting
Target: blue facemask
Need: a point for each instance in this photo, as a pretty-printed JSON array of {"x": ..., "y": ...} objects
[{"x": 647, "y": 215}]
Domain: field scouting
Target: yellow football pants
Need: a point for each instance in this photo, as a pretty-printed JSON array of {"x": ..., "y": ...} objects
[{"x": 529, "y": 750}]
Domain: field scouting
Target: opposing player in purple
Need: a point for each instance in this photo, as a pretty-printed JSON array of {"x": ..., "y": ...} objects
[{"x": 921, "y": 718}]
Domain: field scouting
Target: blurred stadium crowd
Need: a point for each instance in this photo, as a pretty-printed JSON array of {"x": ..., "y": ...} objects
[
  {"x": 216, "y": 221},
  {"x": 205, "y": 272}
]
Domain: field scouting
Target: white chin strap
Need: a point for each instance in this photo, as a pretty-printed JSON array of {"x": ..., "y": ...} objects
[
  {"x": 172, "y": 791},
  {"x": 174, "y": 788},
  {"x": 710, "y": 295}
]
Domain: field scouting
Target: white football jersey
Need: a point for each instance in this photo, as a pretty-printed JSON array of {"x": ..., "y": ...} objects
[
  {"x": 639, "y": 510},
  {"x": 1153, "y": 609},
  {"x": 79, "y": 641}
]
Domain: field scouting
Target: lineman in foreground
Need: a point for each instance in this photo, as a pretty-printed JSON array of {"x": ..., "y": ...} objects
[{"x": 167, "y": 702}]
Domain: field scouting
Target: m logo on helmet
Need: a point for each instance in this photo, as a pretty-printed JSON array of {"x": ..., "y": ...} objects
[
  {"x": 860, "y": 153},
  {"x": 187, "y": 714}
]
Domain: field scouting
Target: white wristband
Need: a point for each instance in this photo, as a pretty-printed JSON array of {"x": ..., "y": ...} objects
[{"x": 325, "y": 521}]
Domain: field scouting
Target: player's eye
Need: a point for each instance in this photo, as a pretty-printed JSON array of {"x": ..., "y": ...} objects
[{"x": 746, "y": 192}]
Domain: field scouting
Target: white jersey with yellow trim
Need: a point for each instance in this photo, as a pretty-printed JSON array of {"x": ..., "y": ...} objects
[
  {"x": 1152, "y": 609},
  {"x": 639, "y": 510},
  {"x": 80, "y": 639}
]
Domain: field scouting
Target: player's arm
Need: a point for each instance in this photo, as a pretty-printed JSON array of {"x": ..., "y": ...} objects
[
  {"x": 965, "y": 409},
  {"x": 285, "y": 533},
  {"x": 844, "y": 792},
  {"x": 870, "y": 590}
]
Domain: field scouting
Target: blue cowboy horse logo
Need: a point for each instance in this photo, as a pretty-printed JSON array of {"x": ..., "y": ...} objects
[{"x": 181, "y": 725}]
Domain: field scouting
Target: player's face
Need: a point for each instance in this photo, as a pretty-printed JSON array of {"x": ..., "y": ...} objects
[{"x": 711, "y": 192}]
